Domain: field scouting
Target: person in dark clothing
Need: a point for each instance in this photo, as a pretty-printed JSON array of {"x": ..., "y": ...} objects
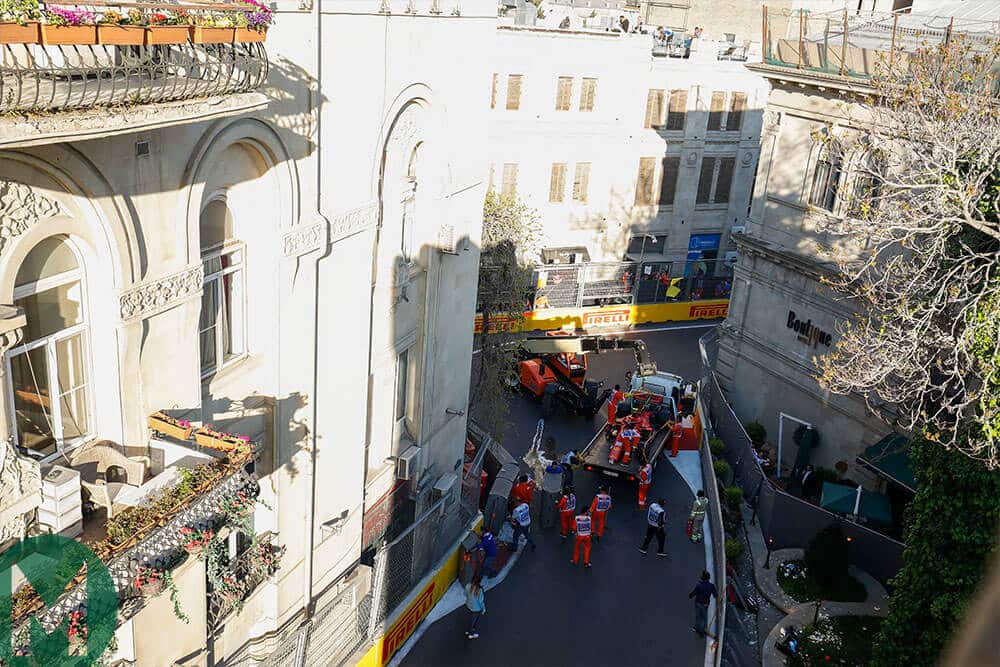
[
  {"x": 623, "y": 23},
  {"x": 488, "y": 544},
  {"x": 654, "y": 526},
  {"x": 703, "y": 593}
]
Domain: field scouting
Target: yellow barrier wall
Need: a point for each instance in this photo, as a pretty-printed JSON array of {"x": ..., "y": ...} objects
[{"x": 623, "y": 315}]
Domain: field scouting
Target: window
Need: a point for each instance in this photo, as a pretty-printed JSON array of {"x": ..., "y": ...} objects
[
  {"x": 588, "y": 92},
  {"x": 645, "y": 182},
  {"x": 50, "y": 371},
  {"x": 867, "y": 188},
  {"x": 643, "y": 243},
  {"x": 826, "y": 179},
  {"x": 716, "y": 180},
  {"x": 654, "y": 109},
  {"x": 668, "y": 180},
  {"x": 557, "y": 183},
  {"x": 409, "y": 204},
  {"x": 715, "y": 112},
  {"x": 402, "y": 380},
  {"x": 677, "y": 113},
  {"x": 222, "y": 324},
  {"x": 508, "y": 187},
  {"x": 737, "y": 105},
  {"x": 514, "y": 92},
  {"x": 581, "y": 182},
  {"x": 564, "y": 93},
  {"x": 493, "y": 91}
]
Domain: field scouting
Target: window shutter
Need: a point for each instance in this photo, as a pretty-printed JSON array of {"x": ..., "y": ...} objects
[
  {"x": 715, "y": 112},
  {"x": 564, "y": 92},
  {"x": 587, "y": 94},
  {"x": 705, "y": 182},
  {"x": 654, "y": 108},
  {"x": 557, "y": 182},
  {"x": 493, "y": 91},
  {"x": 734, "y": 123},
  {"x": 678, "y": 109},
  {"x": 514, "y": 92},
  {"x": 581, "y": 181},
  {"x": 668, "y": 181},
  {"x": 644, "y": 181},
  {"x": 509, "y": 186},
  {"x": 725, "y": 180}
]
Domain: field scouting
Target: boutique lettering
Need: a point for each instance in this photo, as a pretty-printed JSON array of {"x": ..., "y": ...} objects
[{"x": 809, "y": 333}]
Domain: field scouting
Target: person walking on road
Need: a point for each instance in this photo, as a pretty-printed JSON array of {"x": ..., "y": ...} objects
[
  {"x": 696, "y": 521},
  {"x": 703, "y": 593},
  {"x": 645, "y": 479},
  {"x": 582, "y": 539},
  {"x": 567, "y": 510},
  {"x": 488, "y": 544},
  {"x": 475, "y": 602},
  {"x": 654, "y": 526},
  {"x": 599, "y": 507},
  {"x": 520, "y": 519}
]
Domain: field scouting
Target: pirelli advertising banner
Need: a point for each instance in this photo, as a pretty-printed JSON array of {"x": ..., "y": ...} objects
[{"x": 613, "y": 316}]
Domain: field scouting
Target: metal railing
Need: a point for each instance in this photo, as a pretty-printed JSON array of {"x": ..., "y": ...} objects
[
  {"x": 242, "y": 569},
  {"x": 716, "y": 529},
  {"x": 58, "y": 78}
]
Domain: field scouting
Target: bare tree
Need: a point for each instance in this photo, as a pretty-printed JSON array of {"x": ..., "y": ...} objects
[
  {"x": 924, "y": 192},
  {"x": 511, "y": 238}
]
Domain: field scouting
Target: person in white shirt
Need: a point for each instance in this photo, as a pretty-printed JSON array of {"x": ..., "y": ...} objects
[{"x": 520, "y": 519}]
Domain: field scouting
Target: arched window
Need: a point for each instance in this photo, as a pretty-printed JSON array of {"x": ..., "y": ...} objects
[
  {"x": 222, "y": 324},
  {"x": 50, "y": 371},
  {"x": 826, "y": 177},
  {"x": 866, "y": 188}
]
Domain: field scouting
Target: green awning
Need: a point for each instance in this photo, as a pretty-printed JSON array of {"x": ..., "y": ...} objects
[
  {"x": 890, "y": 458},
  {"x": 842, "y": 499}
]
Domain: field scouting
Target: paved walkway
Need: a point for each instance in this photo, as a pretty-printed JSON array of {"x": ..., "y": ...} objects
[{"x": 800, "y": 614}]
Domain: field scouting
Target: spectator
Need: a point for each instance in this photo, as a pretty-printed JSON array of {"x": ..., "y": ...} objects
[
  {"x": 703, "y": 593},
  {"x": 520, "y": 519},
  {"x": 623, "y": 23},
  {"x": 564, "y": 24},
  {"x": 475, "y": 602},
  {"x": 488, "y": 544}
]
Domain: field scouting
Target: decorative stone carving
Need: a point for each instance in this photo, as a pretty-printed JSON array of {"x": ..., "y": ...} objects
[
  {"x": 303, "y": 240},
  {"x": 405, "y": 128},
  {"x": 747, "y": 159},
  {"x": 772, "y": 119},
  {"x": 20, "y": 208},
  {"x": 353, "y": 222},
  {"x": 159, "y": 295},
  {"x": 20, "y": 490}
]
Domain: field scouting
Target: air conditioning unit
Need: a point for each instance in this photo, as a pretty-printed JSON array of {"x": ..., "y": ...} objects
[
  {"x": 737, "y": 229},
  {"x": 731, "y": 258},
  {"x": 408, "y": 463},
  {"x": 446, "y": 240},
  {"x": 446, "y": 484}
]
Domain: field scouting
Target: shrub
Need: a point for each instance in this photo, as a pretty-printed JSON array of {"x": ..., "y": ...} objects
[
  {"x": 757, "y": 433},
  {"x": 827, "y": 555},
  {"x": 734, "y": 497},
  {"x": 721, "y": 470},
  {"x": 734, "y": 549},
  {"x": 716, "y": 446}
]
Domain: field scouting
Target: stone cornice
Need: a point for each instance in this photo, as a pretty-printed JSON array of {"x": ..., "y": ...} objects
[
  {"x": 156, "y": 296},
  {"x": 751, "y": 245}
]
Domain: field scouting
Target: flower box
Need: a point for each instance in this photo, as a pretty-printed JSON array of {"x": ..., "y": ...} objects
[
  {"x": 223, "y": 442},
  {"x": 248, "y": 35},
  {"x": 159, "y": 422},
  {"x": 68, "y": 34},
  {"x": 167, "y": 34},
  {"x": 208, "y": 35},
  {"x": 15, "y": 33},
  {"x": 124, "y": 35}
]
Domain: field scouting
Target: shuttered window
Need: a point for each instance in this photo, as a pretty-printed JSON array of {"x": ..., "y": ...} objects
[
  {"x": 677, "y": 112},
  {"x": 509, "y": 185},
  {"x": 716, "y": 180},
  {"x": 705, "y": 180},
  {"x": 581, "y": 182},
  {"x": 654, "y": 108},
  {"x": 564, "y": 93},
  {"x": 734, "y": 122},
  {"x": 588, "y": 92},
  {"x": 715, "y": 111},
  {"x": 724, "y": 181},
  {"x": 644, "y": 182},
  {"x": 557, "y": 182},
  {"x": 514, "y": 92},
  {"x": 493, "y": 91},
  {"x": 668, "y": 180}
]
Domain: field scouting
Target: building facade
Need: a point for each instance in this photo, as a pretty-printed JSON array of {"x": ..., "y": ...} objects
[{"x": 284, "y": 259}]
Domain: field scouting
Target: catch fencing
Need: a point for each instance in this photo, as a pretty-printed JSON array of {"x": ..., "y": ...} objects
[
  {"x": 785, "y": 521},
  {"x": 716, "y": 529}
]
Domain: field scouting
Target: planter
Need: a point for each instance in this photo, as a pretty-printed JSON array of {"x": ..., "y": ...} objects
[
  {"x": 152, "y": 588},
  {"x": 205, "y": 35},
  {"x": 167, "y": 34},
  {"x": 223, "y": 443},
  {"x": 69, "y": 34},
  {"x": 157, "y": 421},
  {"x": 14, "y": 33},
  {"x": 194, "y": 550},
  {"x": 124, "y": 35},
  {"x": 248, "y": 35}
]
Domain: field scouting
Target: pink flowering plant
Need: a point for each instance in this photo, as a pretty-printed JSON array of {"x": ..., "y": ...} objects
[
  {"x": 258, "y": 15},
  {"x": 196, "y": 538},
  {"x": 69, "y": 17}
]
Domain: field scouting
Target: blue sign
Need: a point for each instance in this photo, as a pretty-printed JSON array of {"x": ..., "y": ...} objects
[{"x": 703, "y": 242}]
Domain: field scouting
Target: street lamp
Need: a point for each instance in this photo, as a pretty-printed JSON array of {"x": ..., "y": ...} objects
[
  {"x": 767, "y": 561},
  {"x": 642, "y": 253}
]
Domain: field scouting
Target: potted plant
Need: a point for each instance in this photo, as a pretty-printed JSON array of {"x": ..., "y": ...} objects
[
  {"x": 169, "y": 28},
  {"x": 69, "y": 26},
  {"x": 77, "y": 633},
  {"x": 195, "y": 539},
  {"x": 214, "y": 29},
  {"x": 149, "y": 581},
  {"x": 19, "y": 21},
  {"x": 254, "y": 22},
  {"x": 265, "y": 559},
  {"x": 158, "y": 421},
  {"x": 129, "y": 30},
  {"x": 231, "y": 590},
  {"x": 206, "y": 436},
  {"x": 239, "y": 504}
]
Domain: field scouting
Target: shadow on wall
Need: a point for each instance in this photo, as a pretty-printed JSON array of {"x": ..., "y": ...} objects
[{"x": 294, "y": 104}]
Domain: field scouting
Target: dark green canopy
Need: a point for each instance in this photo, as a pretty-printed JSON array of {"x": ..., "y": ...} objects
[
  {"x": 890, "y": 458},
  {"x": 841, "y": 499}
]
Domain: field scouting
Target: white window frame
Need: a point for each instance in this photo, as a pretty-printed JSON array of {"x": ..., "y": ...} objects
[
  {"x": 402, "y": 423},
  {"x": 49, "y": 342},
  {"x": 227, "y": 248}
]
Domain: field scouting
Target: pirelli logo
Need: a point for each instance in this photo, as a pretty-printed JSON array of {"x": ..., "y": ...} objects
[
  {"x": 404, "y": 627},
  {"x": 604, "y": 318},
  {"x": 702, "y": 311}
]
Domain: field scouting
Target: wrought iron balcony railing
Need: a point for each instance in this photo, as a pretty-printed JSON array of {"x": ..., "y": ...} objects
[{"x": 35, "y": 77}]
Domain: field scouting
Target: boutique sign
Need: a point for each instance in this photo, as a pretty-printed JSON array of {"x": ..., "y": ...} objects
[{"x": 808, "y": 333}]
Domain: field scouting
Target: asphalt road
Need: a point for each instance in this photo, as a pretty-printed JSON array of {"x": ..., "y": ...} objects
[{"x": 630, "y": 608}]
